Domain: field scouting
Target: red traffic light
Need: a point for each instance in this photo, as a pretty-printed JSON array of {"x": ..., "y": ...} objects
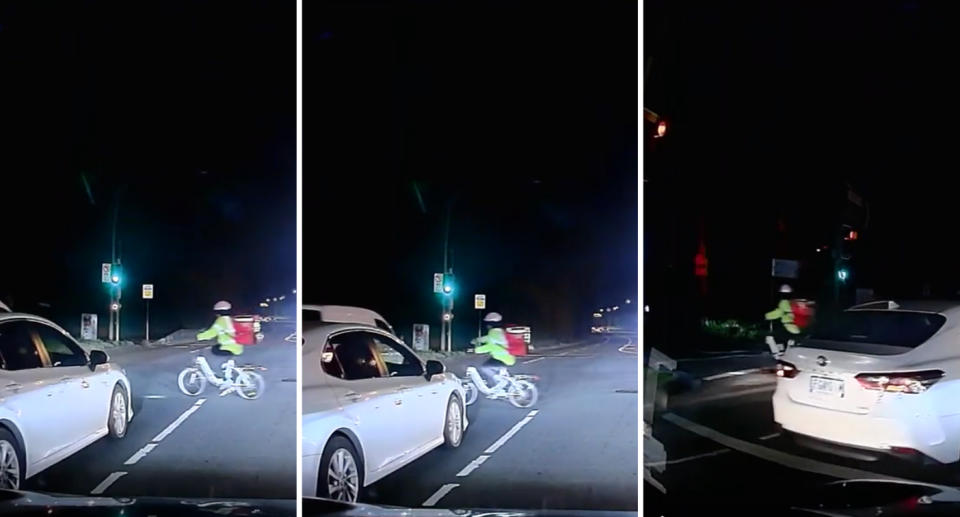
[{"x": 852, "y": 236}]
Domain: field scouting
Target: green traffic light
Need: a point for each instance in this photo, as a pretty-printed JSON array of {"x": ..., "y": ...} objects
[{"x": 843, "y": 274}]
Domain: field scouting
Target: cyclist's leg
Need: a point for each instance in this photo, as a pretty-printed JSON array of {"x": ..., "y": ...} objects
[{"x": 488, "y": 370}]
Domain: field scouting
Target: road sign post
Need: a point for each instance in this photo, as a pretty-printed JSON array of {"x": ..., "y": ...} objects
[
  {"x": 479, "y": 303},
  {"x": 147, "y": 296}
]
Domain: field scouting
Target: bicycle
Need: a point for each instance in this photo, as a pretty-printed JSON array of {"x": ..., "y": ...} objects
[
  {"x": 518, "y": 389},
  {"x": 243, "y": 380}
]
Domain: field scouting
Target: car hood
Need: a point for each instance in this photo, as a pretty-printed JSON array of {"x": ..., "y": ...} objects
[
  {"x": 317, "y": 506},
  {"x": 14, "y": 502}
]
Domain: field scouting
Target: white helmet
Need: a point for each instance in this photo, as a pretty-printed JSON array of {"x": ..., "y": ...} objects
[
  {"x": 785, "y": 288},
  {"x": 493, "y": 317},
  {"x": 222, "y": 305}
]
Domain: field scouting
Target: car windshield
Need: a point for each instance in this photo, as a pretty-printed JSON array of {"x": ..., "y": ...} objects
[
  {"x": 149, "y": 198},
  {"x": 799, "y": 267},
  {"x": 473, "y": 203}
]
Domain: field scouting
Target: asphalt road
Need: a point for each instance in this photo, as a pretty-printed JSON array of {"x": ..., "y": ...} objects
[
  {"x": 576, "y": 449},
  {"x": 223, "y": 447},
  {"x": 720, "y": 446}
]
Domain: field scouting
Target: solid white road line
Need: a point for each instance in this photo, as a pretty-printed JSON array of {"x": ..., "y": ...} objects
[
  {"x": 769, "y": 436},
  {"x": 534, "y": 360},
  {"x": 155, "y": 397},
  {"x": 105, "y": 484},
  {"x": 438, "y": 495},
  {"x": 176, "y": 423},
  {"x": 472, "y": 466},
  {"x": 733, "y": 374},
  {"x": 775, "y": 456},
  {"x": 509, "y": 434},
  {"x": 684, "y": 460},
  {"x": 137, "y": 456}
]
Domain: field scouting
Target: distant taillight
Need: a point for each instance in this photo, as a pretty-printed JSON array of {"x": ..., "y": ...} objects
[
  {"x": 786, "y": 370},
  {"x": 900, "y": 382}
]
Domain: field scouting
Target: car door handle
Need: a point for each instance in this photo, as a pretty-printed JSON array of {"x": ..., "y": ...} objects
[
  {"x": 398, "y": 402},
  {"x": 352, "y": 395},
  {"x": 13, "y": 386},
  {"x": 84, "y": 384}
]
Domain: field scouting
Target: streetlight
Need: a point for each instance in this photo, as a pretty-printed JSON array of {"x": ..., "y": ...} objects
[{"x": 627, "y": 301}]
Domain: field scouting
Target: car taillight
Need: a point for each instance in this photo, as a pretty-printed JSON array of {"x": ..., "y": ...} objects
[
  {"x": 786, "y": 370},
  {"x": 901, "y": 382}
]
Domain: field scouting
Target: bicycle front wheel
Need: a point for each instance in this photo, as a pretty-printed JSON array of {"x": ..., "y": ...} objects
[
  {"x": 470, "y": 392},
  {"x": 523, "y": 394},
  {"x": 249, "y": 384},
  {"x": 191, "y": 381}
]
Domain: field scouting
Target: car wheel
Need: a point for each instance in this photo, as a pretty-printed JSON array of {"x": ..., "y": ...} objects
[
  {"x": 341, "y": 473},
  {"x": 453, "y": 423},
  {"x": 117, "y": 419},
  {"x": 11, "y": 461}
]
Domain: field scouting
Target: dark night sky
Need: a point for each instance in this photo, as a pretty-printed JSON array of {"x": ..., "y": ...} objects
[
  {"x": 773, "y": 107},
  {"x": 524, "y": 115},
  {"x": 191, "y": 108}
]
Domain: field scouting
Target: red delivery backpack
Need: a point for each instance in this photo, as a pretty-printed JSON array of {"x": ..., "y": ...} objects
[{"x": 803, "y": 312}]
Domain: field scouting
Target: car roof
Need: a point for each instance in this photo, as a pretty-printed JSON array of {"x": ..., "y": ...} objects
[
  {"x": 945, "y": 307},
  {"x": 346, "y": 314},
  {"x": 10, "y": 316}
]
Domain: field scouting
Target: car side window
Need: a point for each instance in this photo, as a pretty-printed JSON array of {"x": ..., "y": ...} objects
[
  {"x": 61, "y": 350},
  {"x": 399, "y": 361},
  {"x": 352, "y": 357},
  {"x": 17, "y": 349}
]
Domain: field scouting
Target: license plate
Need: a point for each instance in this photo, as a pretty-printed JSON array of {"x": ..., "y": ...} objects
[{"x": 826, "y": 386}]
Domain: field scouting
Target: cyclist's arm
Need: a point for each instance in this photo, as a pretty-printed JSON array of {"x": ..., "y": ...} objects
[{"x": 210, "y": 333}]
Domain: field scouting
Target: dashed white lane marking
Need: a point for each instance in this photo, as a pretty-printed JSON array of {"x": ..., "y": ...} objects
[
  {"x": 105, "y": 484},
  {"x": 155, "y": 397},
  {"x": 534, "y": 360},
  {"x": 769, "y": 436},
  {"x": 775, "y": 456},
  {"x": 137, "y": 456},
  {"x": 509, "y": 434},
  {"x": 438, "y": 495},
  {"x": 176, "y": 423},
  {"x": 472, "y": 466},
  {"x": 653, "y": 464}
]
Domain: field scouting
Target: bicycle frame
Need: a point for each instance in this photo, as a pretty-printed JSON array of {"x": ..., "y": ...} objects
[
  {"x": 208, "y": 372},
  {"x": 503, "y": 378}
]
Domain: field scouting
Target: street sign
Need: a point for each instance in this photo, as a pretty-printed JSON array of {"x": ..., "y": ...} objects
[
  {"x": 147, "y": 291},
  {"x": 782, "y": 268},
  {"x": 479, "y": 301},
  {"x": 88, "y": 326},
  {"x": 421, "y": 336},
  {"x": 105, "y": 270},
  {"x": 438, "y": 282}
]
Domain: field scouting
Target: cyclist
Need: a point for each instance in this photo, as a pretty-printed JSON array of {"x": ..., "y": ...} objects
[
  {"x": 495, "y": 344},
  {"x": 224, "y": 331},
  {"x": 783, "y": 334}
]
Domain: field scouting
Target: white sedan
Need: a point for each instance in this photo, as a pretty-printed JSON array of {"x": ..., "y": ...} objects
[
  {"x": 370, "y": 406},
  {"x": 55, "y": 399},
  {"x": 884, "y": 379}
]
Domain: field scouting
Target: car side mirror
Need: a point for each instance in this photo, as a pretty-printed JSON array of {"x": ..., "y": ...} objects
[
  {"x": 97, "y": 357},
  {"x": 434, "y": 368}
]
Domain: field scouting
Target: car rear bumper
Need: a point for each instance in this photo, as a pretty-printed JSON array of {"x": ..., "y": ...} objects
[{"x": 886, "y": 430}]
